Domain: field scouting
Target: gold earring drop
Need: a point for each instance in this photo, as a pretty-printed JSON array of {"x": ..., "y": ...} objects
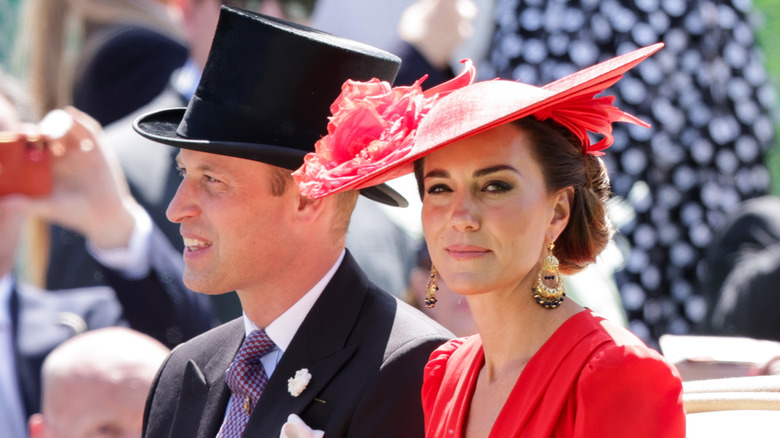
[
  {"x": 548, "y": 290},
  {"x": 431, "y": 287}
]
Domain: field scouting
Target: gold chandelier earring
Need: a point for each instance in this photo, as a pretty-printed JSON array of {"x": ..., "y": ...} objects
[
  {"x": 548, "y": 290},
  {"x": 431, "y": 287}
]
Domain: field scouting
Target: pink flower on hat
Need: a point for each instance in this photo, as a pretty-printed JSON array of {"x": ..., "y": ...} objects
[{"x": 372, "y": 125}]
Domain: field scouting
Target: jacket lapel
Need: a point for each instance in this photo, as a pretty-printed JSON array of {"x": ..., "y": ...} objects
[
  {"x": 204, "y": 393},
  {"x": 320, "y": 345}
]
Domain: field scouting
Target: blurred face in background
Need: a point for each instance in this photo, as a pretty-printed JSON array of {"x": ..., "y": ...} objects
[
  {"x": 452, "y": 310},
  {"x": 96, "y": 407}
]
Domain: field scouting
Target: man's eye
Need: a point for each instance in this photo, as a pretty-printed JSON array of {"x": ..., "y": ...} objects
[{"x": 181, "y": 171}]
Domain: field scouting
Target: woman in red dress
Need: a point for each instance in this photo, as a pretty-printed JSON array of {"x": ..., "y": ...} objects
[{"x": 513, "y": 195}]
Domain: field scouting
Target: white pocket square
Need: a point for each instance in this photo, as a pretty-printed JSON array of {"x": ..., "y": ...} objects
[{"x": 296, "y": 428}]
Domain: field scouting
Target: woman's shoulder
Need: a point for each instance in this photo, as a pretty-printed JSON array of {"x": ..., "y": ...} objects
[
  {"x": 458, "y": 347},
  {"x": 454, "y": 354},
  {"x": 615, "y": 344},
  {"x": 620, "y": 358},
  {"x": 624, "y": 372}
]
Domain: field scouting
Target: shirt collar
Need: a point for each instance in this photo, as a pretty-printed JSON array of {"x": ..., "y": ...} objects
[{"x": 283, "y": 328}]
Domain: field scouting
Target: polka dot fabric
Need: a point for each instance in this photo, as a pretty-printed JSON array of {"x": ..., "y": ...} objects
[
  {"x": 246, "y": 379},
  {"x": 711, "y": 104}
]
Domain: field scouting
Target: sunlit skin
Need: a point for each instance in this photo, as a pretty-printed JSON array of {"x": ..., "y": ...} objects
[
  {"x": 95, "y": 384},
  {"x": 486, "y": 213},
  {"x": 239, "y": 236},
  {"x": 94, "y": 406},
  {"x": 487, "y": 218}
]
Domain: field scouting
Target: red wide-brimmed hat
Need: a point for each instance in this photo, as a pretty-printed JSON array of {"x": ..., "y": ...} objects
[{"x": 353, "y": 156}]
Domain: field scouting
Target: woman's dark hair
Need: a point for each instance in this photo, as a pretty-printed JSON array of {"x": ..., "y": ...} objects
[{"x": 563, "y": 164}]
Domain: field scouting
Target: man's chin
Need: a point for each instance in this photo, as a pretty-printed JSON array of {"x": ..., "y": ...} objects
[{"x": 200, "y": 285}]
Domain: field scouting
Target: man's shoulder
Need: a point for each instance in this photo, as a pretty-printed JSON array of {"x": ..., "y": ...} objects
[
  {"x": 210, "y": 342},
  {"x": 410, "y": 328},
  {"x": 423, "y": 325}
]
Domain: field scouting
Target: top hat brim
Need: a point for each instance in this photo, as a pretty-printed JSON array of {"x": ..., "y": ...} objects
[
  {"x": 484, "y": 105},
  {"x": 161, "y": 126}
]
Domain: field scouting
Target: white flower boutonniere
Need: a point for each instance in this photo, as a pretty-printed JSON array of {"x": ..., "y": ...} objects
[{"x": 296, "y": 385}]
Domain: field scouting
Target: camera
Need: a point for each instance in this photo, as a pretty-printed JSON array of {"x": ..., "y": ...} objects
[{"x": 25, "y": 164}]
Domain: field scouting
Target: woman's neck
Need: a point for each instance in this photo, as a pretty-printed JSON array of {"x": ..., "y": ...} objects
[{"x": 513, "y": 327}]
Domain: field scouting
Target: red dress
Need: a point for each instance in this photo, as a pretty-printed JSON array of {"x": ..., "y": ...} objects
[{"x": 592, "y": 378}]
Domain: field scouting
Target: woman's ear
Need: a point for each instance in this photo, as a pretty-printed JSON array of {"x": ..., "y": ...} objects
[{"x": 562, "y": 201}]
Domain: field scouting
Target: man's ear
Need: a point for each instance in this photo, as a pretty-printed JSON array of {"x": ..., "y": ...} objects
[
  {"x": 562, "y": 201},
  {"x": 309, "y": 209}
]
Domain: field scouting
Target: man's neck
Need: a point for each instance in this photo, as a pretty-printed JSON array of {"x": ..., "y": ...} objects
[{"x": 266, "y": 303}]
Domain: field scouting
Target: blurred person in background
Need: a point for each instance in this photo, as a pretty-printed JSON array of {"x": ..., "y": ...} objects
[
  {"x": 87, "y": 193},
  {"x": 105, "y": 57},
  {"x": 742, "y": 271},
  {"x": 95, "y": 385},
  {"x": 429, "y": 34}
]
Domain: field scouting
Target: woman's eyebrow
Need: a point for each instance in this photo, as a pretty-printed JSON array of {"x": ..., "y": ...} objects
[
  {"x": 440, "y": 173},
  {"x": 494, "y": 169},
  {"x": 437, "y": 173}
]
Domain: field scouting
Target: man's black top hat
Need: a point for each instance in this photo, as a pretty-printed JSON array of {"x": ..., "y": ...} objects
[{"x": 266, "y": 92}]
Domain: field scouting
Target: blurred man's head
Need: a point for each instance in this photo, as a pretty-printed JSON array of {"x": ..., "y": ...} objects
[
  {"x": 200, "y": 20},
  {"x": 95, "y": 385}
]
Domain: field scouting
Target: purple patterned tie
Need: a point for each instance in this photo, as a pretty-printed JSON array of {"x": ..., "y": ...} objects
[{"x": 246, "y": 379}]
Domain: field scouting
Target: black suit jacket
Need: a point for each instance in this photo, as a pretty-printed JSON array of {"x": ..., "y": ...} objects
[{"x": 364, "y": 349}]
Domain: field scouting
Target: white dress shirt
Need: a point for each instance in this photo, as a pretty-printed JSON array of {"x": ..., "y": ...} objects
[
  {"x": 133, "y": 261},
  {"x": 283, "y": 329}
]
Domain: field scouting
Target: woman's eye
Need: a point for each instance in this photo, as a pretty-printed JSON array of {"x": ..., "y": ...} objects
[
  {"x": 497, "y": 186},
  {"x": 437, "y": 188}
]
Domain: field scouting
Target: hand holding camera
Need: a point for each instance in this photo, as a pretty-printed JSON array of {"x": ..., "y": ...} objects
[
  {"x": 25, "y": 164},
  {"x": 63, "y": 174}
]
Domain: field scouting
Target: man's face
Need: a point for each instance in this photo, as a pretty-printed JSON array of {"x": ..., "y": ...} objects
[{"x": 237, "y": 234}]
